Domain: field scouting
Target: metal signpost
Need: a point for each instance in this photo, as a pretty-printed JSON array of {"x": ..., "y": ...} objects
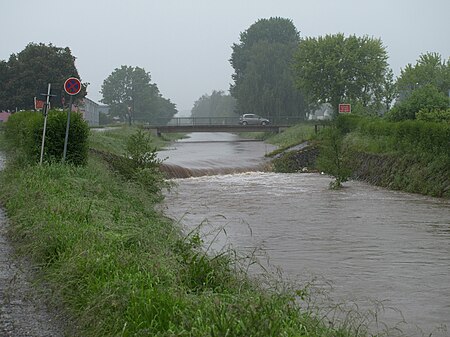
[{"x": 72, "y": 86}]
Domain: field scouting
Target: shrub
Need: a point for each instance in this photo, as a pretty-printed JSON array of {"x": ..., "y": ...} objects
[
  {"x": 139, "y": 163},
  {"x": 24, "y": 131},
  {"x": 426, "y": 97},
  {"x": 334, "y": 157},
  {"x": 439, "y": 116}
]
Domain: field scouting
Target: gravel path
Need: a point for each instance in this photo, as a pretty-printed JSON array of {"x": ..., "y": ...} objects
[{"x": 22, "y": 313}]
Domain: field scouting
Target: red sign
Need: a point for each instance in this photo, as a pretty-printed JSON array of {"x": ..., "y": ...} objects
[
  {"x": 72, "y": 86},
  {"x": 38, "y": 104},
  {"x": 345, "y": 108}
]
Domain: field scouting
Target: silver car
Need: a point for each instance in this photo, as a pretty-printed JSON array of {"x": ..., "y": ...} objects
[{"x": 252, "y": 119}]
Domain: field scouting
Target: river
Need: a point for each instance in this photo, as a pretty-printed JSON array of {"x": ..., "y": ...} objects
[{"x": 369, "y": 244}]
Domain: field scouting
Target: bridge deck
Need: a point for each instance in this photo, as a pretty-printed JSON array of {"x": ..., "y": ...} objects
[{"x": 216, "y": 128}]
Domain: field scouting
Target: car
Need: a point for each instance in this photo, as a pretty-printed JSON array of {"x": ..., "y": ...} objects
[{"x": 252, "y": 119}]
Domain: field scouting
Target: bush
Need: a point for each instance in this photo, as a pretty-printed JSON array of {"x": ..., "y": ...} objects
[
  {"x": 438, "y": 116},
  {"x": 426, "y": 97},
  {"x": 334, "y": 157},
  {"x": 139, "y": 163},
  {"x": 24, "y": 131},
  {"x": 347, "y": 123}
]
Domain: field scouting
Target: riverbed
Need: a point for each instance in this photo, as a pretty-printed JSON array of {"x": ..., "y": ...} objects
[{"x": 370, "y": 245}]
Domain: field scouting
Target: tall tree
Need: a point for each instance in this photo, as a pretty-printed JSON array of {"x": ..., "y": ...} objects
[
  {"x": 29, "y": 72},
  {"x": 336, "y": 69},
  {"x": 215, "y": 105},
  {"x": 263, "y": 81},
  {"x": 132, "y": 97},
  {"x": 429, "y": 69}
]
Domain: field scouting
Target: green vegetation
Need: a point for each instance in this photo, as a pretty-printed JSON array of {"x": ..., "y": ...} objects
[
  {"x": 218, "y": 104},
  {"x": 336, "y": 69},
  {"x": 131, "y": 96},
  {"x": 334, "y": 156},
  {"x": 24, "y": 131},
  {"x": 411, "y": 155},
  {"x": 263, "y": 78},
  {"x": 27, "y": 74},
  {"x": 118, "y": 267}
]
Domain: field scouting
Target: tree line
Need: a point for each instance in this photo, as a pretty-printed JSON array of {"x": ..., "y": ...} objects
[
  {"x": 128, "y": 91},
  {"x": 276, "y": 73}
]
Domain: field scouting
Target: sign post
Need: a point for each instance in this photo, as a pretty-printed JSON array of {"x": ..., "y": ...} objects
[
  {"x": 345, "y": 108},
  {"x": 47, "y": 104},
  {"x": 72, "y": 86}
]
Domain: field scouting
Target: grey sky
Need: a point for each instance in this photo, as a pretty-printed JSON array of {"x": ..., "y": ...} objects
[{"x": 186, "y": 45}]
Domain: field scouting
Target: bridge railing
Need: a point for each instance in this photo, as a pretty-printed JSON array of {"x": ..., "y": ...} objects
[{"x": 185, "y": 121}]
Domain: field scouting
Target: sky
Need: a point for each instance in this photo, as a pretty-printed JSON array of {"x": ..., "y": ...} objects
[{"x": 185, "y": 45}]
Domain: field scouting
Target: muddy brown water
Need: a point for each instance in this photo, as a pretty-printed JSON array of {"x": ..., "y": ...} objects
[{"x": 370, "y": 244}]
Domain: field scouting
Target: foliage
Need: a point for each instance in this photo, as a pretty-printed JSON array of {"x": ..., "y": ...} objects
[
  {"x": 26, "y": 75},
  {"x": 336, "y": 69},
  {"x": 438, "y": 116},
  {"x": 139, "y": 162},
  {"x": 430, "y": 70},
  {"x": 334, "y": 157},
  {"x": 263, "y": 82},
  {"x": 410, "y": 136},
  {"x": 24, "y": 130},
  {"x": 389, "y": 90},
  {"x": 215, "y": 105},
  {"x": 130, "y": 95},
  {"x": 426, "y": 97}
]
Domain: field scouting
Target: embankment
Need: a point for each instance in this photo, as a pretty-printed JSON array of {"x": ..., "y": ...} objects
[{"x": 412, "y": 173}]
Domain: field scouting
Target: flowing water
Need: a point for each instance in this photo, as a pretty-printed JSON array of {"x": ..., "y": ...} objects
[{"x": 368, "y": 242}]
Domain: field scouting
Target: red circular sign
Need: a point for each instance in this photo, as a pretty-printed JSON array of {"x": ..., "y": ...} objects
[{"x": 72, "y": 86}]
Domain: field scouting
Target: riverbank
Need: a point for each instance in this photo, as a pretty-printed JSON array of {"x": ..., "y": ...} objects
[
  {"x": 410, "y": 156},
  {"x": 118, "y": 267}
]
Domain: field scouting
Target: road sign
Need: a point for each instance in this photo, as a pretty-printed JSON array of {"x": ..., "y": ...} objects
[
  {"x": 345, "y": 108},
  {"x": 72, "y": 86}
]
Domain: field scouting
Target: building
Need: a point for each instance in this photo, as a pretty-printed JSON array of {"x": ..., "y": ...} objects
[{"x": 91, "y": 111}]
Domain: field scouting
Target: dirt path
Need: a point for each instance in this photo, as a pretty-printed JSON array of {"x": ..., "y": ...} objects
[{"x": 22, "y": 313}]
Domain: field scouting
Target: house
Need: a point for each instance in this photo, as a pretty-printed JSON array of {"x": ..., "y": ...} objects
[
  {"x": 324, "y": 111},
  {"x": 90, "y": 111}
]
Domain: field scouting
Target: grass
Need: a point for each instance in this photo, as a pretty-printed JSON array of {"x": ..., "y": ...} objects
[
  {"x": 113, "y": 140},
  {"x": 293, "y": 135},
  {"x": 118, "y": 267}
]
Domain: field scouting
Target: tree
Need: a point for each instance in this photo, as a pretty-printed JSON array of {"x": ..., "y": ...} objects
[
  {"x": 263, "y": 81},
  {"x": 28, "y": 73},
  {"x": 215, "y": 105},
  {"x": 131, "y": 96},
  {"x": 427, "y": 97},
  {"x": 389, "y": 90},
  {"x": 335, "y": 69},
  {"x": 429, "y": 69}
]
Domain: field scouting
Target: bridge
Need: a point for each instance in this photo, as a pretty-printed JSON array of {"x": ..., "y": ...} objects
[{"x": 223, "y": 124}]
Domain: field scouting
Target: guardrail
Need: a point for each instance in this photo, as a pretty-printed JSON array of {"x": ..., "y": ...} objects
[{"x": 184, "y": 121}]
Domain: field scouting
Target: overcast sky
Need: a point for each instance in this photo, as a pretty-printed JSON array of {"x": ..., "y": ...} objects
[{"x": 186, "y": 44}]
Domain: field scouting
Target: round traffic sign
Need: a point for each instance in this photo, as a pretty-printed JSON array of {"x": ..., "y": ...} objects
[{"x": 72, "y": 86}]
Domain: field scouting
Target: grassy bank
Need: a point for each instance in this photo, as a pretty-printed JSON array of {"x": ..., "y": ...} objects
[
  {"x": 117, "y": 267},
  {"x": 412, "y": 156}
]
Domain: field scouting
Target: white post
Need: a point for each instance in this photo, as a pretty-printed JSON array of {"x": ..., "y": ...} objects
[{"x": 45, "y": 123}]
